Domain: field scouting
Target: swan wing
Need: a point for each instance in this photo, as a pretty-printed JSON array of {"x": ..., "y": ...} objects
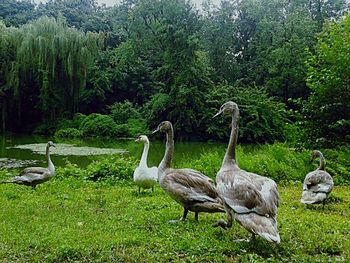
[
  {"x": 243, "y": 194},
  {"x": 36, "y": 170},
  {"x": 318, "y": 181},
  {"x": 153, "y": 171},
  {"x": 29, "y": 178},
  {"x": 187, "y": 186}
]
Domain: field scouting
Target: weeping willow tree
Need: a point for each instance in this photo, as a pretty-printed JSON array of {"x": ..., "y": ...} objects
[
  {"x": 10, "y": 38},
  {"x": 51, "y": 67}
]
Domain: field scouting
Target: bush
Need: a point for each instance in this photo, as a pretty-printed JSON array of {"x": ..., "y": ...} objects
[
  {"x": 208, "y": 163},
  {"x": 78, "y": 118},
  {"x": 45, "y": 128},
  {"x": 70, "y": 133},
  {"x": 137, "y": 127},
  {"x": 122, "y": 111},
  {"x": 121, "y": 130},
  {"x": 70, "y": 170},
  {"x": 114, "y": 167},
  {"x": 262, "y": 118},
  {"x": 96, "y": 125}
]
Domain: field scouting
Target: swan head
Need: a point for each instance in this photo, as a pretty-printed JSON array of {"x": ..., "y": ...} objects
[
  {"x": 142, "y": 138},
  {"x": 50, "y": 144},
  {"x": 164, "y": 126},
  {"x": 227, "y": 108},
  {"x": 314, "y": 155}
]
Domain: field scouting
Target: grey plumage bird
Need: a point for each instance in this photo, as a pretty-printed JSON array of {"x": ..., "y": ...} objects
[
  {"x": 250, "y": 199},
  {"x": 32, "y": 176},
  {"x": 190, "y": 188},
  {"x": 317, "y": 184}
]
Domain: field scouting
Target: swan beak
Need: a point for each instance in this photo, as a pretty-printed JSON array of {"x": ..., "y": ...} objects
[
  {"x": 156, "y": 130},
  {"x": 53, "y": 145},
  {"x": 137, "y": 140},
  {"x": 218, "y": 113}
]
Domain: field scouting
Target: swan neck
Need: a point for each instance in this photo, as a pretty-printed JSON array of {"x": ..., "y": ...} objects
[
  {"x": 322, "y": 162},
  {"x": 50, "y": 165},
  {"x": 169, "y": 150},
  {"x": 143, "y": 161},
  {"x": 230, "y": 154}
]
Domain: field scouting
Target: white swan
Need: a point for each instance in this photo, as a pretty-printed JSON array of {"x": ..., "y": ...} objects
[
  {"x": 250, "y": 199},
  {"x": 190, "y": 188},
  {"x": 317, "y": 184},
  {"x": 145, "y": 177},
  {"x": 32, "y": 176}
]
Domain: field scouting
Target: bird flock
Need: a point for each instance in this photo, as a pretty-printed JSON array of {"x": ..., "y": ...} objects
[{"x": 248, "y": 198}]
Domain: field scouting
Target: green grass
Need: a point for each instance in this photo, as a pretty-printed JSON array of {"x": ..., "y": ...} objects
[{"x": 72, "y": 220}]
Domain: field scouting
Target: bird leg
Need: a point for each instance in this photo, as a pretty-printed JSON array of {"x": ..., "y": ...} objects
[
  {"x": 323, "y": 203},
  {"x": 139, "y": 189},
  {"x": 183, "y": 218},
  {"x": 33, "y": 187},
  {"x": 224, "y": 224},
  {"x": 252, "y": 239},
  {"x": 196, "y": 216},
  {"x": 152, "y": 189}
]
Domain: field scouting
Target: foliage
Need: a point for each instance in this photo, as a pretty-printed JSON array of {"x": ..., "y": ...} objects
[
  {"x": 328, "y": 111},
  {"x": 95, "y": 125},
  {"x": 262, "y": 117},
  {"x": 75, "y": 122},
  {"x": 137, "y": 127},
  {"x": 122, "y": 111},
  {"x": 70, "y": 170},
  {"x": 85, "y": 15},
  {"x": 166, "y": 59},
  {"x": 17, "y": 12},
  {"x": 70, "y": 133},
  {"x": 111, "y": 168}
]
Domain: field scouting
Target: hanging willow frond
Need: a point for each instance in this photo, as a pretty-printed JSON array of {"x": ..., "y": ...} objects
[{"x": 56, "y": 57}]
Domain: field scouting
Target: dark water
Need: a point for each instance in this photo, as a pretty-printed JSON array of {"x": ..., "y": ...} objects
[{"x": 183, "y": 150}]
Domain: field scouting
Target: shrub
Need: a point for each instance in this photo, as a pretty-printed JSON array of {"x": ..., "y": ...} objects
[
  {"x": 208, "y": 163},
  {"x": 114, "y": 167},
  {"x": 136, "y": 127},
  {"x": 98, "y": 125},
  {"x": 121, "y": 130},
  {"x": 75, "y": 122},
  {"x": 262, "y": 118},
  {"x": 70, "y": 133},
  {"x": 45, "y": 128},
  {"x": 70, "y": 170},
  {"x": 122, "y": 111}
]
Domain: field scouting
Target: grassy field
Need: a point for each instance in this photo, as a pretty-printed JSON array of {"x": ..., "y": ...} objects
[{"x": 72, "y": 220}]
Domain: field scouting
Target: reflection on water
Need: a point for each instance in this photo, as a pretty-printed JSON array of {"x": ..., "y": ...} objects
[{"x": 183, "y": 150}]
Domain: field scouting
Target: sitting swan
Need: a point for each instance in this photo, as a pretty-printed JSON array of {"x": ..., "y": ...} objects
[
  {"x": 32, "y": 176},
  {"x": 190, "y": 188},
  {"x": 249, "y": 198},
  {"x": 145, "y": 177},
  {"x": 317, "y": 184}
]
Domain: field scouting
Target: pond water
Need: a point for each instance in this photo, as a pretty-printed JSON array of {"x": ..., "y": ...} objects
[{"x": 17, "y": 150}]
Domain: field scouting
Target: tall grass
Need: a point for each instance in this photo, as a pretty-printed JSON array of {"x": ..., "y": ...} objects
[{"x": 283, "y": 164}]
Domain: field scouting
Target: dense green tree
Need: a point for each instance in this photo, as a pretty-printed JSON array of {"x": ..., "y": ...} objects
[
  {"x": 17, "y": 12},
  {"x": 86, "y": 15},
  {"x": 328, "y": 108},
  {"x": 264, "y": 42},
  {"x": 262, "y": 117},
  {"x": 9, "y": 39},
  {"x": 50, "y": 69}
]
